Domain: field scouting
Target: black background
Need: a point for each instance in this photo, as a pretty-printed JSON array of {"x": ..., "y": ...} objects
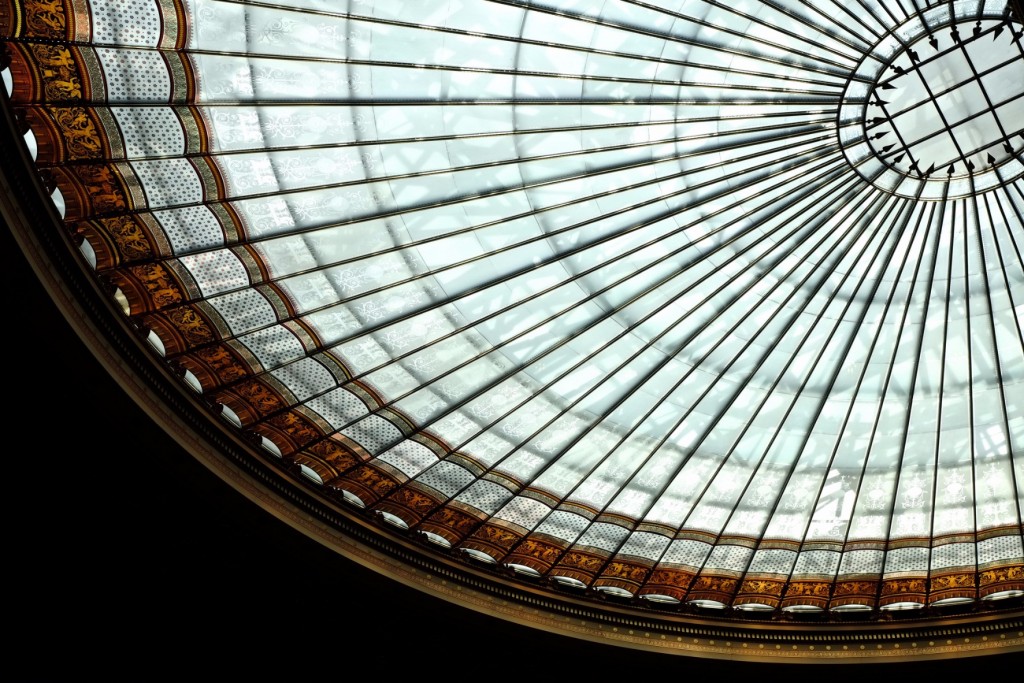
[{"x": 125, "y": 559}]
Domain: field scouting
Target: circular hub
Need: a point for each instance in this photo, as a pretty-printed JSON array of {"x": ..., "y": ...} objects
[{"x": 936, "y": 108}]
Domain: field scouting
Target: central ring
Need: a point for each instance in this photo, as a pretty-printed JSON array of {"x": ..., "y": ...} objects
[{"x": 935, "y": 109}]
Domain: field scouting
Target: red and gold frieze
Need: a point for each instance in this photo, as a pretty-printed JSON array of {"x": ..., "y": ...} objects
[
  {"x": 215, "y": 365},
  {"x": 65, "y": 134},
  {"x": 804, "y": 593},
  {"x": 47, "y": 72},
  {"x": 451, "y": 523},
  {"x": 998, "y": 579},
  {"x": 627, "y": 575},
  {"x": 334, "y": 454},
  {"x": 252, "y": 399},
  {"x": 580, "y": 565},
  {"x": 181, "y": 329},
  {"x": 368, "y": 483},
  {"x": 148, "y": 287},
  {"x": 539, "y": 555},
  {"x": 760, "y": 591},
  {"x": 410, "y": 502},
  {"x": 290, "y": 431},
  {"x": 861, "y": 592},
  {"x": 90, "y": 190},
  {"x": 117, "y": 240},
  {"x": 493, "y": 539},
  {"x": 674, "y": 583},
  {"x": 717, "y": 587},
  {"x": 907, "y": 589},
  {"x": 51, "y": 19},
  {"x": 953, "y": 585}
]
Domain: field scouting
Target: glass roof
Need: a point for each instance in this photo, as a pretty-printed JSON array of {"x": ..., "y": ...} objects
[{"x": 721, "y": 289}]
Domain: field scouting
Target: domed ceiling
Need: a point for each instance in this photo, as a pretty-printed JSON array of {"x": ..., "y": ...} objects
[{"x": 696, "y": 314}]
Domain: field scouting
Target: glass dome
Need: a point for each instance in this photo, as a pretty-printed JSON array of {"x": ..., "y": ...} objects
[{"x": 674, "y": 306}]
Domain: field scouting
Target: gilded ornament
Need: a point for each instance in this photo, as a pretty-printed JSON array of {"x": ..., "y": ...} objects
[
  {"x": 803, "y": 588},
  {"x": 259, "y": 396},
  {"x": 543, "y": 551},
  {"x": 416, "y": 501},
  {"x": 221, "y": 362},
  {"x": 453, "y": 519},
  {"x": 190, "y": 325},
  {"x": 81, "y": 137},
  {"x": 45, "y": 18},
  {"x": 855, "y": 588},
  {"x": 761, "y": 587},
  {"x": 162, "y": 288},
  {"x": 104, "y": 188},
  {"x": 295, "y": 426},
  {"x": 899, "y": 586},
  {"x": 339, "y": 458},
  {"x": 627, "y": 571},
  {"x": 670, "y": 577},
  {"x": 59, "y": 73},
  {"x": 1002, "y": 574},
  {"x": 953, "y": 581},
  {"x": 583, "y": 561},
  {"x": 503, "y": 538},
  {"x": 131, "y": 240},
  {"x": 718, "y": 584},
  {"x": 372, "y": 479}
]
